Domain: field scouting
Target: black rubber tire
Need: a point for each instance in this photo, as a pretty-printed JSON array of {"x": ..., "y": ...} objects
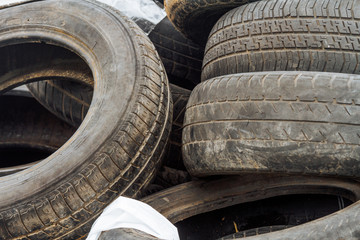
[
  {"x": 120, "y": 144},
  {"x": 181, "y": 57},
  {"x": 195, "y": 18},
  {"x": 289, "y": 122},
  {"x": 173, "y": 157},
  {"x": 69, "y": 100},
  {"x": 201, "y": 196},
  {"x": 27, "y": 130},
  {"x": 285, "y": 35}
]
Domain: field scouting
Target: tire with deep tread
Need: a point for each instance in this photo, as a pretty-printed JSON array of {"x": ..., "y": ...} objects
[
  {"x": 289, "y": 122},
  {"x": 195, "y": 18},
  {"x": 285, "y": 35},
  {"x": 181, "y": 57},
  {"x": 70, "y": 101},
  {"x": 120, "y": 144},
  {"x": 173, "y": 157}
]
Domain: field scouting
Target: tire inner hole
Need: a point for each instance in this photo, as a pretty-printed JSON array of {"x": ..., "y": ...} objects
[{"x": 258, "y": 217}]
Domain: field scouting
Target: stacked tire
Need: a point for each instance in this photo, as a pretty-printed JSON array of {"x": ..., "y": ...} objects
[
  {"x": 279, "y": 94},
  {"x": 275, "y": 112},
  {"x": 120, "y": 144}
]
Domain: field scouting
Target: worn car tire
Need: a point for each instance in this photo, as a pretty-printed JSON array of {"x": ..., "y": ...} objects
[
  {"x": 70, "y": 101},
  {"x": 120, "y": 144},
  {"x": 29, "y": 132},
  {"x": 289, "y": 122},
  {"x": 181, "y": 57},
  {"x": 173, "y": 157},
  {"x": 197, "y": 197},
  {"x": 201, "y": 196},
  {"x": 195, "y": 19},
  {"x": 285, "y": 35}
]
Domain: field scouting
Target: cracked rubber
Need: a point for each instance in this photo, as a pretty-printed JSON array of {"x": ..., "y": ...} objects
[
  {"x": 118, "y": 147},
  {"x": 288, "y": 122},
  {"x": 285, "y": 35},
  {"x": 195, "y": 18}
]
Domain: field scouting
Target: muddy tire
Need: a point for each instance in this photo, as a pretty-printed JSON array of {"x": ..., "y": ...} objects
[
  {"x": 288, "y": 122},
  {"x": 285, "y": 35},
  {"x": 120, "y": 144},
  {"x": 70, "y": 102},
  {"x": 181, "y": 57},
  {"x": 195, "y": 19}
]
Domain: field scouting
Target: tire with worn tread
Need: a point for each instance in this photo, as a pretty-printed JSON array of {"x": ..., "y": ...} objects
[
  {"x": 70, "y": 101},
  {"x": 289, "y": 122},
  {"x": 120, "y": 144},
  {"x": 195, "y": 18},
  {"x": 285, "y": 35}
]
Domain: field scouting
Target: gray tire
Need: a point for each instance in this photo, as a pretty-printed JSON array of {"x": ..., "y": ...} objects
[
  {"x": 70, "y": 101},
  {"x": 285, "y": 35},
  {"x": 119, "y": 146},
  {"x": 289, "y": 122}
]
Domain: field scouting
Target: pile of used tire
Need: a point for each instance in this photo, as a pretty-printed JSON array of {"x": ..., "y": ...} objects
[{"x": 256, "y": 134}]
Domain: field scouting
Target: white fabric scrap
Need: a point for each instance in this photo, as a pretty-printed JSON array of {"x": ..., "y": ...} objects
[{"x": 129, "y": 213}]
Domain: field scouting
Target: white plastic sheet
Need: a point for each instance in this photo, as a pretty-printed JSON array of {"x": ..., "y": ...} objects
[
  {"x": 129, "y": 213},
  {"x": 146, "y": 13}
]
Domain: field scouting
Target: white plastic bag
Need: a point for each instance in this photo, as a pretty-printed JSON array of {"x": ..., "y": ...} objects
[{"x": 129, "y": 213}]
